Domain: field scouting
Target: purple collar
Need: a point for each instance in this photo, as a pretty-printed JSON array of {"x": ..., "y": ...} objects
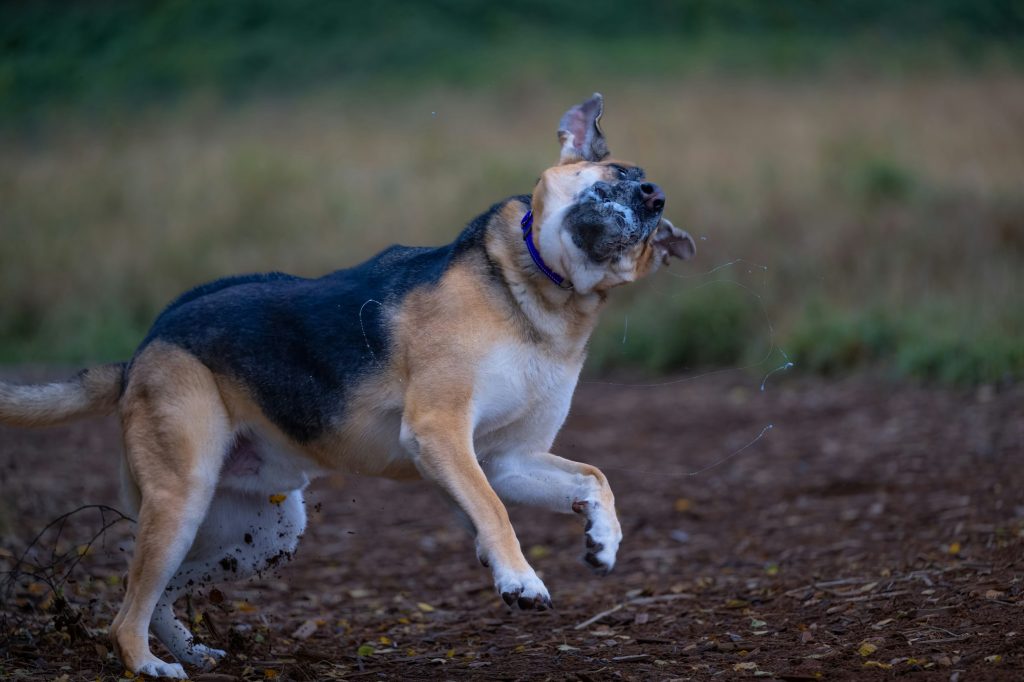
[{"x": 527, "y": 224}]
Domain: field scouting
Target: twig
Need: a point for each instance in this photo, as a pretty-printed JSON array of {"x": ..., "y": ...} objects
[
  {"x": 880, "y": 595},
  {"x": 660, "y": 598},
  {"x": 591, "y": 621}
]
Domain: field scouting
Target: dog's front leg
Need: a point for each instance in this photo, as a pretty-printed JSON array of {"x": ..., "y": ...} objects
[
  {"x": 441, "y": 443},
  {"x": 552, "y": 482}
]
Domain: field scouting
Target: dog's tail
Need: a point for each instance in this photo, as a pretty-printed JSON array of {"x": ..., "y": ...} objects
[{"x": 93, "y": 391}]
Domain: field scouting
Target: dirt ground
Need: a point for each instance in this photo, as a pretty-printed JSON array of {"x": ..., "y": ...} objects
[{"x": 877, "y": 530}]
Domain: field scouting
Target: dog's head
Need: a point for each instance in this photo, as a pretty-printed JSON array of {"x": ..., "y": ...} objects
[{"x": 600, "y": 221}]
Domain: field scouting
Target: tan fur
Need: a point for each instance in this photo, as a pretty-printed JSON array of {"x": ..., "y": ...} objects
[
  {"x": 94, "y": 391},
  {"x": 176, "y": 433}
]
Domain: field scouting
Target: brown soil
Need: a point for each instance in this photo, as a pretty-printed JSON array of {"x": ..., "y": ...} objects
[{"x": 877, "y": 530}]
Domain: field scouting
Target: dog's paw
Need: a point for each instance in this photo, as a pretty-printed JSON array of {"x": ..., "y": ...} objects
[
  {"x": 523, "y": 589},
  {"x": 157, "y": 668},
  {"x": 203, "y": 657},
  {"x": 603, "y": 535}
]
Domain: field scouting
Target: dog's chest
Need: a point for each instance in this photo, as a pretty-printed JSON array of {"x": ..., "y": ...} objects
[{"x": 522, "y": 394}]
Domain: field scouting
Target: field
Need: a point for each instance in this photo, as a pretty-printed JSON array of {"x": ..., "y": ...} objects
[
  {"x": 875, "y": 531},
  {"x": 879, "y": 221}
]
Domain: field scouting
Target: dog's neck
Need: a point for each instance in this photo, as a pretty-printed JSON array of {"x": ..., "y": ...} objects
[{"x": 562, "y": 317}]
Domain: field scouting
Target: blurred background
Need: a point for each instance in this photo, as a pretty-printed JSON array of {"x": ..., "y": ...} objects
[{"x": 852, "y": 171}]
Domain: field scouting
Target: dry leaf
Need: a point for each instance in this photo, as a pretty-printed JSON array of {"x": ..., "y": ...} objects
[
  {"x": 306, "y": 630},
  {"x": 866, "y": 649},
  {"x": 539, "y": 552}
]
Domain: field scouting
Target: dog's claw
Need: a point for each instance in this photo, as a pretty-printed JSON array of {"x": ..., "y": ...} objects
[
  {"x": 599, "y": 566},
  {"x": 538, "y": 603},
  {"x": 510, "y": 597}
]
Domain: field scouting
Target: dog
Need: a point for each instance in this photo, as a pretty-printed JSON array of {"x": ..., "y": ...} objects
[{"x": 455, "y": 364}]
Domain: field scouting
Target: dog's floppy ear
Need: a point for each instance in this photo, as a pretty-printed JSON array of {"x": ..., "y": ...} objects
[
  {"x": 580, "y": 132},
  {"x": 670, "y": 241}
]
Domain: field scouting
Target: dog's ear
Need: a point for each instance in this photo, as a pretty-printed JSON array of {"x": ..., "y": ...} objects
[
  {"x": 580, "y": 134},
  {"x": 670, "y": 241}
]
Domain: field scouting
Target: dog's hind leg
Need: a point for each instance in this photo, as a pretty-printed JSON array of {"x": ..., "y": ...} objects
[
  {"x": 243, "y": 535},
  {"x": 176, "y": 432}
]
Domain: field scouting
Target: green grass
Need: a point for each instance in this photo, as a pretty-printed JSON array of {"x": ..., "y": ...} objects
[
  {"x": 886, "y": 211},
  {"x": 121, "y": 54}
]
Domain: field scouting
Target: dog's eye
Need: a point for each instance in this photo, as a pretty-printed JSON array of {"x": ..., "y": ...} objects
[{"x": 622, "y": 173}]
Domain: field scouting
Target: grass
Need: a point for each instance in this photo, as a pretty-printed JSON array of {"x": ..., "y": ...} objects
[
  {"x": 121, "y": 53},
  {"x": 886, "y": 211}
]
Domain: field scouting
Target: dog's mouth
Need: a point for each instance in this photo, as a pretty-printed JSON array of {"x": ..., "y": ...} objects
[{"x": 607, "y": 219}]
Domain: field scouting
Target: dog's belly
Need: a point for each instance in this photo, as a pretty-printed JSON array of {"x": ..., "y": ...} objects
[{"x": 258, "y": 465}]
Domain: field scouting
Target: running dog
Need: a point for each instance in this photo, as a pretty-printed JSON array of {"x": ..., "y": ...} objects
[{"x": 455, "y": 364}]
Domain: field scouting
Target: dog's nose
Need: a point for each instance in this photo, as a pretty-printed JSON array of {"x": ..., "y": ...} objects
[{"x": 653, "y": 197}]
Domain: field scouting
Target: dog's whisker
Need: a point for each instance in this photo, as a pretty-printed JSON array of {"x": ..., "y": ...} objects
[
  {"x": 772, "y": 347},
  {"x": 362, "y": 328},
  {"x": 709, "y": 467}
]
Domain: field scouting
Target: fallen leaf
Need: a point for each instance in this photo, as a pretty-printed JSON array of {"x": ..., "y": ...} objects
[
  {"x": 683, "y": 504},
  {"x": 539, "y": 552},
  {"x": 954, "y": 548},
  {"x": 877, "y": 664},
  {"x": 365, "y": 650},
  {"x": 995, "y": 658},
  {"x": 424, "y": 607},
  {"x": 306, "y": 630},
  {"x": 866, "y": 649}
]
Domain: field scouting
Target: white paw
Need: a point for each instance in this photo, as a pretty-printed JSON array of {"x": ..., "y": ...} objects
[
  {"x": 202, "y": 656},
  {"x": 157, "y": 668},
  {"x": 603, "y": 535},
  {"x": 522, "y": 588}
]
